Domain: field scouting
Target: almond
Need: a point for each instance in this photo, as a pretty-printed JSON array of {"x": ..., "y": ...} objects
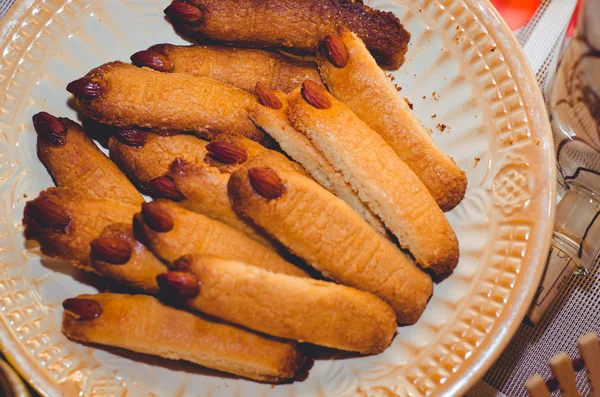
[
  {"x": 156, "y": 218},
  {"x": 335, "y": 51},
  {"x": 88, "y": 87},
  {"x": 164, "y": 187},
  {"x": 184, "y": 12},
  {"x": 315, "y": 95},
  {"x": 227, "y": 152},
  {"x": 82, "y": 308},
  {"x": 111, "y": 250},
  {"x": 266, "y": 183},
  {"x": 49, "y": 214},
  {"x": 266, "y": 96},
  {"x": 153, "y": 60},
  {"x": 134, "y": 137},
  {"x": 50, "y": 128},
  {"x": 182, "y": 264},
  {"x": 178, "y": 285}
]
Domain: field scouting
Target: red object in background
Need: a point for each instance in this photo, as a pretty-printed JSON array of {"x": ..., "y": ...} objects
[
  {"x": 573, "y": 24},
  {"x": 516, "y": 12}
]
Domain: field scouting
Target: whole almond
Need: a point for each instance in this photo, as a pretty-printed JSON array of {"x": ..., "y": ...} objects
[
  {"x": 49, "y": 214},
  {"x": 227, "y": 152},
  {"x": 50, "y": 128},
  {"x": 164, "y": 187},
  {"x": 156, "y": 218},
  {"x": 266, "y": 182},
  {"x": 182, "y": 264},
  {"x": 82, "y": 308},
  {"x": 88, "y": 87},
  {"x": 315, "y": 95},
  {"x": 178, "y": 285},
  {"x": 184, "y": 12},
  {"x": 266, "y": 96},
  {"x": 335, "y": 51},
  {"x": 111, "y": 250},
  {"x": 153, "y": 60},
  {"x": 134, "y": 137}
]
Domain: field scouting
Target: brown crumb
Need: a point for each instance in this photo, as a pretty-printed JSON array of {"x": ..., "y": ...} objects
[
  {"x": 493, "y": 49},
  {"x": 433, "y": 116},
  {"x": 398, "y": 88},
  {"x": 415, "y": 75},
  {"x": 477, "y": 160},
  {"x": 24, "y": 195},
  {"x": 410, "y": 105},
  {"x": 391, "y": 77},
  {"x": 537, "y": 142},
  {"x": 433, "y": 95},
  {"x": 441, "y": 127},
  {"x": 424, "y": 97}
]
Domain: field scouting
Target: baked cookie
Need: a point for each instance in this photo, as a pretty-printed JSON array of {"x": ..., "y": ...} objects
[
  {"x": 74, "y": 161},
  {"x": 353, "y": 77},
  {"x": 145, "y": 325},
  {"x": 171, "y": 231},
  {"x": 124, "y": 95},
  {"x": 318, "y": 312},
  {"x": 143, "y": 156},
  {"x": 292, "y": 25},
  {"x": 240, "y": 67},
  {"x": 65, "y": 222},
  {"x": 383, "y": 181},
  {"x": 116, "y": 254},
  {"x": 323, "y": 230},
  {"x": 272, "y": 118}
]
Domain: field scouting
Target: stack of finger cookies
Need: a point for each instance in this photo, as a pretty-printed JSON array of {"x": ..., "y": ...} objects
[{"x": 294, "y": 200}]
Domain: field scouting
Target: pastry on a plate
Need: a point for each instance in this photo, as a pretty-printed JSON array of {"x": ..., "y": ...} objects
[
  {"x": 171, "y": 231},
  {"x": 272, "y": 118},
  {"x": 383, "y": 181},
  {"x": 123, "y": 95},
  {"x": 353, "y": 77},
  {"x": 144, "y": 156},
  {"x": 323, "y": 230},
  {"x": 241, "y": 67},
  {"x": 203, "y": 189},
  {"x": 74, "y": 161},
  {"x": 186, "y": 169},
  {"x": 145, "y": 325},
  {"x": 65, "y": 222},
  {"x": 116, "y": 254},
  {"x": 318, "y": 312},
  {"x": 291, "y": 25}
]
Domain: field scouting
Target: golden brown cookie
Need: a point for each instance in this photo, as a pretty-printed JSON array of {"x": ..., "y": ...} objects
[
  {"x": 74, "y": 161},
  {"x": 323, "y": 230},
  {"x": 292, "y": 25},
  {"x": 143, "y": 156},
  {"x": 172, "y": 231},
  {"x": 240, "y": 67},
  {"x": 362, "y": 86},
  {"x": 143, "y": 324},
  {"x": 116, "y": 254},
  {"x": 318, "y": 312},
  {"x": 124, "y": 95},
  {"x": 65, "y": 222},
  {"x": 272, "y": 118},
  {"x": 188, "y": 170},
  {"x": 383, "y": 181}
]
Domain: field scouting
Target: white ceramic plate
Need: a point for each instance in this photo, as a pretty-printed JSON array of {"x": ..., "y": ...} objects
[{"x": 464, "y": 69}]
